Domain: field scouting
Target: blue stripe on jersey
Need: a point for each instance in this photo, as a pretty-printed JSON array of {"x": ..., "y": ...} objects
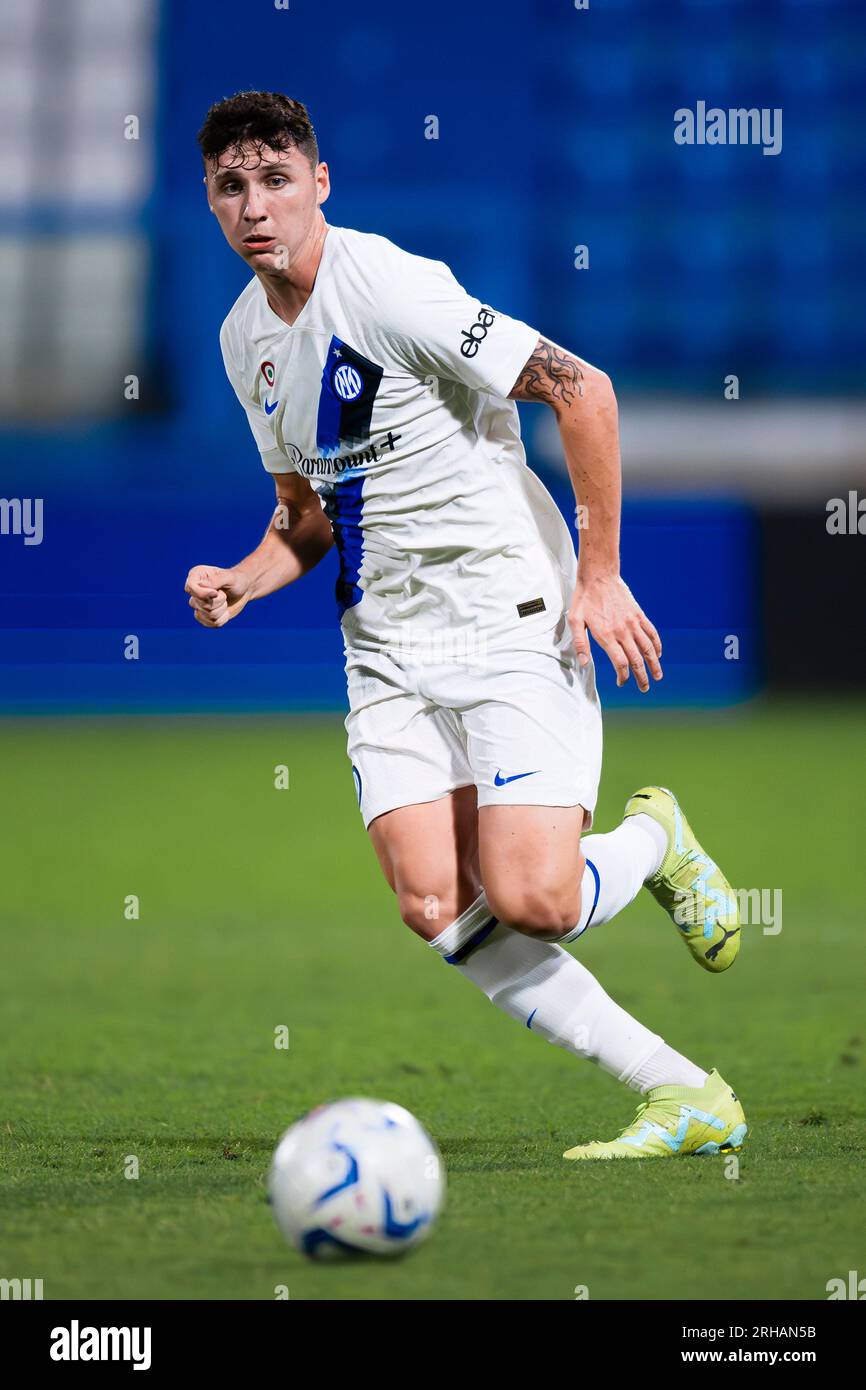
[
  {"x": 328, "y": 423},
  {"x": 344, "y": 507},
  {"x": 348, "y": 391}
]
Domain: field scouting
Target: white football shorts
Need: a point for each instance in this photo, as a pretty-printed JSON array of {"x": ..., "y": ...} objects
[{"x": 523, "y": 725}]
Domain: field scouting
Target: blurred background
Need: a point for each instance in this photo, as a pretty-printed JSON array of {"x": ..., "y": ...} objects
[{"x": 720, "y": 287}]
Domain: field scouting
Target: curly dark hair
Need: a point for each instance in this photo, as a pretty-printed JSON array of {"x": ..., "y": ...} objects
[{"x": 260, "y": 119}]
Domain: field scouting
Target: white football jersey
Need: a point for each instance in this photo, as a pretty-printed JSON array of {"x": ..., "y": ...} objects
[{"x": 389, "y": 394}]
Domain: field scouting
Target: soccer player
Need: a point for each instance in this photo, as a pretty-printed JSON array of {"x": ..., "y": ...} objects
[{"x": 381, "y": 398}]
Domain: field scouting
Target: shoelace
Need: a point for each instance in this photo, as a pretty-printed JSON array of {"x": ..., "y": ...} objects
[
  {"x": 645, "y": 1105},
  {"x": 636, "y": 1121}
]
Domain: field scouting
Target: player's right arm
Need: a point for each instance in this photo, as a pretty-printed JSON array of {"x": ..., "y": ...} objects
[{"x": 298, "y": 536}]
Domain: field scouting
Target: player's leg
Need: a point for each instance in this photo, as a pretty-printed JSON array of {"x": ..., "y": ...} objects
[
  {"x": 409, "y": 752},
  {"x": 534, "y": 745},
  {"x": 526, "y": 857},
  {"x": 429, "y": 855},
  {"x": 538, "y": 872},
  {"x": 538, "y": 884},
  {"x": 541, "y": 985},
  {"x": 429, "y": 852},
  {"x": 532, "y": 724},
  {"x": 398, "y": 743},
  {"x": 528, "y": 870},
  {"x": 416, "y": 794}
]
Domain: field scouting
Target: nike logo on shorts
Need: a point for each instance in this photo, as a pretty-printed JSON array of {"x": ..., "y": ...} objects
[{"x": 500, "y": 781}]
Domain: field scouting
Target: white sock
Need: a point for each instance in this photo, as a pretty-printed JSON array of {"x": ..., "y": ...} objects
[
  {"x": 546, "y": 989},
  {"x": 617, "y": 866},
  {"x": 668, "y": 1068},
  {"x": 656, "y": 833}
]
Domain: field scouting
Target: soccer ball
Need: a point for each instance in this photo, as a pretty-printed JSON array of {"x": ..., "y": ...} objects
[{"x": 356, "y": 1175}]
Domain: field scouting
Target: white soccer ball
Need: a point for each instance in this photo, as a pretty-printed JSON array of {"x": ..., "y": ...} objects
[{"x": 356, "y": 1175}]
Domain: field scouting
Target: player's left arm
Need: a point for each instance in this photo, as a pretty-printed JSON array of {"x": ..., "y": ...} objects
[{"x": 583, "y": 400}]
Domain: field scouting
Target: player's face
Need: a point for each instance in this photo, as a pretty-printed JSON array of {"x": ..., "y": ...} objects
[{"x": 266, "y": 203}]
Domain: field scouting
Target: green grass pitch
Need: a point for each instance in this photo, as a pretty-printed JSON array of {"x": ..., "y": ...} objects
[{"x": 154, "y": 1037}]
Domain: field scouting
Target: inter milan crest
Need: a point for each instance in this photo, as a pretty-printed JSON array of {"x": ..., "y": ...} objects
[
  {"x": 349, "y": 385},
  {"x": 346, "y": 382}
]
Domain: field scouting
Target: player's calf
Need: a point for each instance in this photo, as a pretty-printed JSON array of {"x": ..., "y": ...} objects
[
  {"x": 545, "y": 911},
  {"x": 531, "y": 867},
  {"x": 428, "y": 853},
  {"x": 428, "y": 914},
  {"x": 548, "y": 881}
]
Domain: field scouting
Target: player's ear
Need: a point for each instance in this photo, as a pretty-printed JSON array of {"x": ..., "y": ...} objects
[{"x": 323, "y": 183}]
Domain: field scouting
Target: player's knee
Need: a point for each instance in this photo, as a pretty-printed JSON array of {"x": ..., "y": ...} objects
[
  {"x": 426, "y": 914},
  {"x": 536, "y": 911}
]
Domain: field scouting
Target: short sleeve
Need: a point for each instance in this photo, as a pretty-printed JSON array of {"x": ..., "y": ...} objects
[
  {"x": 437, "y": 328},
  {"x": 273, "y": 459}
]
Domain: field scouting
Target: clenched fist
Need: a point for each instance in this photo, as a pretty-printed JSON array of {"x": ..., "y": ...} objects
[{"x": 217, "y": 595}]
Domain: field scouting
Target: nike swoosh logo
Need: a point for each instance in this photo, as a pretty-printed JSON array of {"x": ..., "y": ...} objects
[
  {"x": 499, "y": 780},
  {"x": 269, "y": 409}
]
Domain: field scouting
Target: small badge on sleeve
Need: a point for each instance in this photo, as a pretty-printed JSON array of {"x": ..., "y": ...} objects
[{"x": 534, "y": 605}]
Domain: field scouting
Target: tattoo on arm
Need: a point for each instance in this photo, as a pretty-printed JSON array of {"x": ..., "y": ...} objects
[{"x": 551, "y": 374}]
